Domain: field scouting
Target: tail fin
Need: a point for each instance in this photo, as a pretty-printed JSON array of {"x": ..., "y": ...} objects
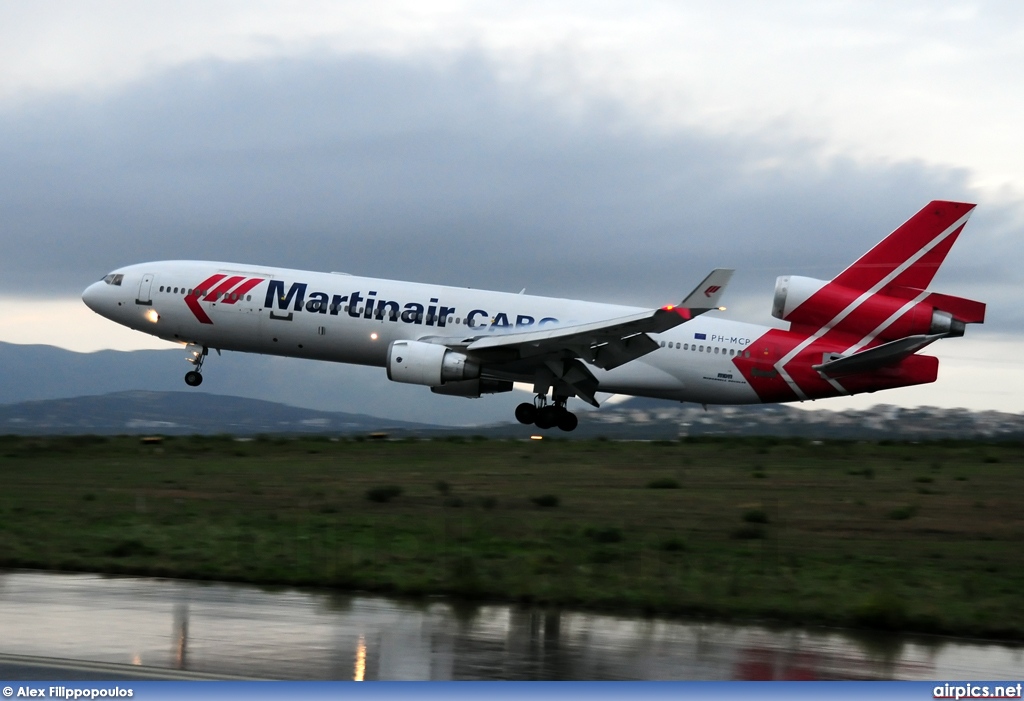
[
  {"x": 911, "y": 255},
  {"x": 883, "y": 296}
]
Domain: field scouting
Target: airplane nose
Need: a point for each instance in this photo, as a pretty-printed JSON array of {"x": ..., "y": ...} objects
[{"x": 91, "y": 296}]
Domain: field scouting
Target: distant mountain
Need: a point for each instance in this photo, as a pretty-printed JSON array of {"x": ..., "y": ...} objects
[
  {"x": 176, "y": 413},
  {"x": 34, "y": 372},
  {"x": 192, "y": 412},
  {"x": 50, "y": 390}
]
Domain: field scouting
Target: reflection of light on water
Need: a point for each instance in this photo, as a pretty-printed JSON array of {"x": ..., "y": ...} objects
[
  {"x": 360, "y": 660},
  {"x": 136, "y": 660},
  {"x": 180, "y": 635}
]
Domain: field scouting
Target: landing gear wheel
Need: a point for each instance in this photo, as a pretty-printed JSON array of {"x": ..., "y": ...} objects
[
  {"x": 526, "y": 413},
  {"x": 547, "y": 417},
  {"x": 567, "y": 421},
  {"x": 193, "y": 378}
]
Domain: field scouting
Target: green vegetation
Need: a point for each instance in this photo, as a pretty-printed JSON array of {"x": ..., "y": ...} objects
[
  {"x": 546, "y": 501},
  {"x": 383, "y": 494},
  {"x": 837, "y": 533},
  {"x": 663, "y": 483}
]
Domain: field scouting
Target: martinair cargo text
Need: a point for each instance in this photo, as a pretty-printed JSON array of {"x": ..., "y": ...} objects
[{"x": 859, "y": 332}]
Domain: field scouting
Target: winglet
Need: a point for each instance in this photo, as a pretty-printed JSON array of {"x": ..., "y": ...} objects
[{"x": 706, "y": 295}]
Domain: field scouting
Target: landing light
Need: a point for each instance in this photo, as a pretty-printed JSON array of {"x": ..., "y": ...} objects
[
  {"x": 152, "y": 315},
  {"x": 721, "y": 309},
  {"x": 536, "y": 438},
  {"x": 373, "y": 336}
]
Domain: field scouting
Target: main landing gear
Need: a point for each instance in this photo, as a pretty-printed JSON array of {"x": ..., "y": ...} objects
[
  {"x": 545, "y": 415},
  {"x": 196, "y": 356}
]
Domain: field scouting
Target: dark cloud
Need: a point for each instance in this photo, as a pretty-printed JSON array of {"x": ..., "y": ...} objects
[{"x": 396, "y": 169}]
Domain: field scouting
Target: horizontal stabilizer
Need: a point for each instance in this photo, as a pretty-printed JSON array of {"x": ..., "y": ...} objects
[{"x": 878, "y": 357}]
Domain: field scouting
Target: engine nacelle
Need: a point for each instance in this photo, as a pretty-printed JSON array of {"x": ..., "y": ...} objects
[
  {"x": 418, "y": 363},
  {"x": 891, "y": 315},
  {"x": 791, "y": 291}
]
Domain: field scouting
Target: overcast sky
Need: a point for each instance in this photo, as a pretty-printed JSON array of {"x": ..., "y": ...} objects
[{"x": 612, "y": 151}]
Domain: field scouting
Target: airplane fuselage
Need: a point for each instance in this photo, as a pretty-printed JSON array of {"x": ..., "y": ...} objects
[{"x": 350, "y": 319}]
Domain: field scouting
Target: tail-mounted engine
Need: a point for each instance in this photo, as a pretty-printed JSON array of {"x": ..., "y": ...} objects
[
  {"x": 418, "y": 363},
  {"x": 891, "y": 313}
]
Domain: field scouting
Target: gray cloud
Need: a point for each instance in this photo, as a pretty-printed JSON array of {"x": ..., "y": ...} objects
[{"x": 394, "y": 169}]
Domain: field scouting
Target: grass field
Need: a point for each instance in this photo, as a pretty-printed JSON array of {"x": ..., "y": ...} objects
[{"x": 894, "y": 536}]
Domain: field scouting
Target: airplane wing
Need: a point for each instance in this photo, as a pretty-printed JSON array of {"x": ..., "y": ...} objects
[{"x": 607, "y": 344}]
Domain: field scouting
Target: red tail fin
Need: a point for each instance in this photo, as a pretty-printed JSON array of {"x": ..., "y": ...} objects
[
  {"x": 883, "y": 296},
  {"x": 911, "y": 255}
]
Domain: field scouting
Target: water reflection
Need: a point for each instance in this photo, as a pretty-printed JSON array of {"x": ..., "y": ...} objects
[
  {"x": 289, "y": 634},
  {"x": 360, "y": 671},
  {"x": 180, "y": 635}
]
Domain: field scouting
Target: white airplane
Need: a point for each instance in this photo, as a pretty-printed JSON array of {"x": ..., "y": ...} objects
[{"x": 859, "y": 332}]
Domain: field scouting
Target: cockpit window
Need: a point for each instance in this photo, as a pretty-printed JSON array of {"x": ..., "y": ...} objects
[{"x": 113, "y": 279}]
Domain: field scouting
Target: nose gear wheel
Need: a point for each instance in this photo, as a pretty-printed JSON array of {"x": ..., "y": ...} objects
[{"x": 196, "y": 356}]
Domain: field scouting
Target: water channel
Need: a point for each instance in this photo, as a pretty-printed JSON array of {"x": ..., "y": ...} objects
[{"x": 309, "y": 634}]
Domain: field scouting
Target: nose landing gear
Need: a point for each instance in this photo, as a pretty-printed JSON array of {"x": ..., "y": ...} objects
[
  {"x": 196, "y": 356},
  {"x": 545, "y": 415}
]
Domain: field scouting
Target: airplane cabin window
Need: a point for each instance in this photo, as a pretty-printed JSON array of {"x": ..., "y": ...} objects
[
  {"x": 702, "y": 349},
  {"x": 662, "y": 344}
]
